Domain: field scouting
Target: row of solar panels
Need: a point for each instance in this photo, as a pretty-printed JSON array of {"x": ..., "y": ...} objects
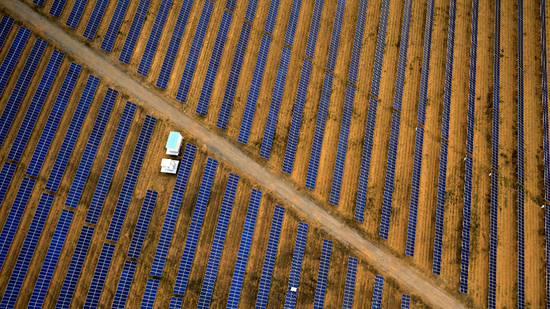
[{"x": 520, "y": 163}]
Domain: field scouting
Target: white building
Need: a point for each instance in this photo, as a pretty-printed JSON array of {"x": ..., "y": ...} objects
[
  {"x": 169, "y": 166},
  {"x": 173, "y": 144}
]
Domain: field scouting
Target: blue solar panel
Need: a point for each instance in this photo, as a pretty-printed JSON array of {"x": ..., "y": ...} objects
[
  {"x": 335, "y": 38},
  {"x": 415, "y": 186},
  {"x": 244, "y": 249},
  {"x": 377, "y": 292},
  {"x": 425, "y": 63},
  {"x": 142, "y": 224},
  {"x": 23, "y": 82},
  {"x": 251, "y": 10},
  {"x": 296, "y": 267},
  {"x": 214, "y": 63},
  {"x": 271, "y": 16},
  {"x": 14, "y": 217},
  {"x": 349, "y": 289},
  {"x": 547, "y": 232},
  {"x": 440, "y": 211},
  {"x": 270, "y": 255},
  {"x": 6, "y": 174},
  {"x": 292, "y": 22},
  {"x": 521, "y": 163},
  {"x": 173, "y": 210},
  {"x": 95, "y": 19},
  {"x": 322, "y": 276},
  {"x": 123, "y": 287},
  {"x": 131, "y": 178},
  {"x": 342, "y": 145},
  {"x": 114, "y": 25},
  {"x": 290, "y": 299},
  {"x": 133, "y": 33},
  {"x": 154, "y": 37},
  {"x": 62, "y": 158},
  {"x": 380, "y": 44},
  {"x": 195, "y": 228},
  {"x": 110, "y": 164},
  {"x": 35, "y": 107},
  {"x": 174, "y": 44},
  {"x": 54, "y": 119},
  {"x": 297, "y": 113},
  {"x": 57, "y": 7},
  {"x": 358, "y": 41},
  {"x": 319, "y": 132},
  {"x": 217, "y": 245},
  {"x": 100, "y": 273},
  {"x": 405, "y": 301},
  {"x": 52, "y": 257},
  {"x": 5, "y": 27},
  {"x": 448, "y": 72},
  {"x": 13, "y": 54},
  {"x": 493, "y": 241},
  {"x": 314, "y": 28},
  {"x": 90, "y": 151},
  {"x": 175, "y": 303},
  {"x": 521, "y": 248},
  {"x": 194, "y": 52},
  {"x": 390, "y": 174},
  {"x": 76, "y": 13},
  {"x": 254, "y": 89},
  {"x": 150, "y": 294},
  {"x": 234, "y": 74},
  {"x": 546, "y": 145},
  {"x": 27, "y": 251},
  {"x": 402, "y": 62},
  {"x": 77, "y": 261},
  {"x": 276, "y": 98},
  {"x": 465, "y": 254}
]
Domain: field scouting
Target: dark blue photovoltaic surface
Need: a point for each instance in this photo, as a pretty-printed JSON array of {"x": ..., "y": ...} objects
[
  {"x": 390, "y": 173},
  {"x": 100, "y": 273},
  {"x": 76, "y": 13},
  {"x": 377, "y": 292},
  {"x": 440, "y": 210},
  {"x": 415, "y": 185},
  {"x": 335, "y": 38},
  {"x": 520, "y": 162},
  {"x": 296, "y": 267},
  {"x": 13, "y": 54},
  {"x": 465, "y": 255},
  {"x": 95, "y": 19},
  {"x": 358, "y": 41},
  {"x": 405, "y": 301},
  {"x": 314, "y": 28},
  {"x": 349, "y": 290},
  {"x": 251, "y": 10},
  {"x": 133, "y": 33},
  {"x": 5, "y": 26},
  {"x": 6, "y": 174},
  {"x": 293, "y": 22},
  {"x": 114, "y": 25},
  {"x": 425, "y": 63},
  {"x": 154, "y": 37},
  {"x": 142, "y": 224},
  {"x": 493, "y": 241},
  {"x": 175, "y": 303},
  {"x": 271, "y": 16},
  {"x": 57, "y": 7},
  {"x": 322, "y": 276},
  {"x": 150, "y": 294},
  {"x": 123, "y": 287}
]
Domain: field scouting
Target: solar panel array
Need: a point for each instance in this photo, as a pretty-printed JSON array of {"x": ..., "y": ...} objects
[
  {"x": 110, "y": 164},
  {"x": 270, "y": 255},
  {"x": 314, "y": 28},
  {"x": 114, "y": 25},
  {"x": 217, "y": 245},
  {"x": 296, "y": 267},
  {"x": 520, "y": 163},
  {"x": 405, "y": 301},
  {"x": 35, "y": 107},
  {"x": 150, "y": 294},
  {"x": 100, "y": 273},
  {"x": 493, "y": 240},
  {"x": 57, "y": 7},
  {"x": 402, "y": 62},
  {"x": 251, "y": 10},
  {"x": 358, "y": 41},
  {"x": 142, "y": 224},
  {"x": 292, "y": 22},
  {"x": 14, "y": 53},
  {"x": 390, "y": 176},
  {"x": 194, "y": 52},
  {"x": 50, "y": 128},
  {"x": 123, "y": 287},
  {"x": 465, "y": 255},
  {"x": 131, "y": 178},
  {"x": 154, "y": 37},
  {"x": 62, "y": 158},
  {"x": 52, "y": 257},
  {"x": 214, "y": 63},
  {"x": 133, "y": 33},
  {"x": 173, "y": 210},
  {"x": 6, "y": 174},
  {"x": 76, "y": 13},
  {"x": 335, "y": 37},
  {"x": 174, "y": 44},
  {"x": 75, "y": 267},
  {"x": 349, "y": 289},
  {"x": 22, "y": 84},
  {"x": 175, "y": 303},
  {"x": 244, "y": 250},
  {"x": 5, "y": 27},
  {"x": 14, "y": 217},
  {"x": 92, "y": 146},
  {"x": 425, "y": 63},
  {"x": 547, "y": 232},
  {"x": 271, "y": 16},
  {"x": 440, "y": 210},
  {"x": 195, "y": 227},
  {"x": 95, "y": 19},
  {"x": 27, "y": 251},
  {"x": 377, "y": 292},
  {"x": 322, "y": 276},
  {"x": 415, "y": 185}
]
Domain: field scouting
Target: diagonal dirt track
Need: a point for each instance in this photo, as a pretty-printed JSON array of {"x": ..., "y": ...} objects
[{"x": 385, "y": 261}]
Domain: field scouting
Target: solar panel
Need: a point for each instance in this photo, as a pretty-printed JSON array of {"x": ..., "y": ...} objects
[
  {"x": 217, "y": 245},
  {"x": 390, "y": 174},
  {"x": 546, "y": 145},
  {"x": 276, "y": 98},
  {"x": 150, "y": 294},
  {"x": 244, "y": 249},
  {"x": 314, "y": 28},
  {"x": 100, "y": 273},
  {"x": 402, "y": 62},
  {"x": 322, "y": 276},
  {"x": 349, "y": 289},
  {"x": 358, "y": 41},
  {"x": 195, "y": 228},
  {"x": 234, "y": 74},
  {"x": 77, "y": 261},
  {"x": 131, "y": 178},
  {"x": 425, "y": 63},
  {"x": 6, "y": 174},
  {"x": 111, "y": 162},
  {"x": 405, "y": 301},
  {"x": 194, "y": 52},
  {"x": 50, "y": 262},
  {"x": 521, "y": 248},
  {"x": 342, "y": 145},
  {"x": 465, "y": 254},
  {"x": 174, "y": 44},
  {"x": 154, "y": 37},
  {"x": 114, "y": 25},
  {"x": 54, "y": 118},
  {"x": 493, "y": 241},
  {"x": 133, "y": 33},
  {"x": 380, "y": 44},
  {"x": 290, "y": 299},
  {"x": 90, "y": 151},
  {"x": 296, "y": 267},
  {"x": 547, "y": 232},
  {"x": 271, "y": 16},
  {"x": 95, "y": 19},
  {"x": 76, "y": 13},
  {"x": 173, "y": 210},
  {"x": 440, "y": 210},
  {"x": 415, "y": 186},
  {"x": 175, "y": 303},
  {"x": 335, "y": 37},
  {"x": 448, "y": 71},
  {"x": 296, "y": 121},
  {"x": 377, "y": 292},
  {"x": 214, "y": 63},
  {"x": 123, "y": 287},
  {"x": 35, "y": 107},
  {"x": 252, "y": 98},
  {"x": 14, "y": 53},
  {"x": 319, "y": 132},
  {"x": 270, "y": 255},
  {"x": 57, "y": 7},
  {"x": 292, "y": 22},
  {"x": 22, "y": 84},
  {"x": 251, "y": 10},
  {"x": 64, "y": 154},
  {"x": 142, "y": 224},
  {"x": 5, "y": 27}
]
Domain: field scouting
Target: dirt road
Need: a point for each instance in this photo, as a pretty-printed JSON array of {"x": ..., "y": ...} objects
[{"x": 386, "y": 261}]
